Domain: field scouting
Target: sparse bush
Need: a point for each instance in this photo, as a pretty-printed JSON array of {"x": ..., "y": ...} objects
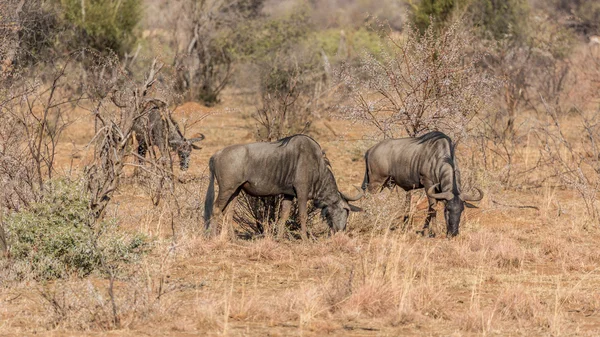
[
  {"x": 27, "y": 33},
  {"x": 213, "y": 32},
  {"x": 54, "y": 237},
  {"x": 426, "y": 82}
]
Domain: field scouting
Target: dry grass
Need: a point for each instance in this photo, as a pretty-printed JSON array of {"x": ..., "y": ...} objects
[{"x": 511, "y": 271}]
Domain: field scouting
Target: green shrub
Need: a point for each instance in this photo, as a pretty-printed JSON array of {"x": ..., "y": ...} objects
[
  {"x": 54, "y": 238},
  {"x": 423, "y": 10},
  {"x": 500, "y": 18},
  {"x": 349, "y": 44},
  {"x": 103, "y": 24},
  {"x": 496, "y": 18}
]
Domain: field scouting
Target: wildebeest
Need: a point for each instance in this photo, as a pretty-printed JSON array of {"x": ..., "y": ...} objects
[
  {"x": 156, "y": 128},
  {"x": 422, "y": 162},
  {"x": 294, "y": 167}
]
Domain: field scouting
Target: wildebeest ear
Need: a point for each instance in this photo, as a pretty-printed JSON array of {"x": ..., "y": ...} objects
[
  {"x": 196, "y": 147},
  {"x": 318, "y": 204},
  {"x": 324, "y": 212},
  {"x": 355, "y": 208},
  {"x": 470, "y": 205}
]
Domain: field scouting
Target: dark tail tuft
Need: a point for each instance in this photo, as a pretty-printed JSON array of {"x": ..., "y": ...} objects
[
  {"x": 365, "y": 183},
  {"x": 210, "y": 194}
]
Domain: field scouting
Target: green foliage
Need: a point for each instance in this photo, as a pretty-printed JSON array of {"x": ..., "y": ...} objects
[
  {"x": 259, "y": 40},
  {"x": 54, "y": 238},
  {"x": 496, "y": 18},
  {"x": 586, "y": 14},
  {"x": 348, "y": 45},
  {"x": 424, "y": 10},
  {"x": 500, "y": 18},
  {"x": 103, "y": 24}
]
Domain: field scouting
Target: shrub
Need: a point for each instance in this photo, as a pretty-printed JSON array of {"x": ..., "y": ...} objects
[
  {"x": 102, "y": 25},
  {"x": 214, "y": 32},
  {"x": 423, "y": 11},
  {"x": 498, "y": 18},
  {"x": 54, "y": 237},
  {"x": 28, "y": 31},
  {"x": 421, "y": 83}
]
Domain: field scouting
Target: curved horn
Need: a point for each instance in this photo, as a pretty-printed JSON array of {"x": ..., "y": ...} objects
[
  {"x": 439, "y": 196},
  {"x": 470, "y": 197},
  {"x": 196, "y": 139},
  {"x": 360, "y": 194}
]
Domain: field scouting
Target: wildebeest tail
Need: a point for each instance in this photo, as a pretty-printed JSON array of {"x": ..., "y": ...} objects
[
  {"x": 209, "y": 200},
  {"x": 365, "y": 183}
]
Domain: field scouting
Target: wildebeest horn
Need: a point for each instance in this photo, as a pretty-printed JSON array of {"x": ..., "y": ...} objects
[
  {"x": 470, "y": 197},
  {"x": 439, "y": 196},
  {"x": 356, "y": 197},
  {"x": 196, "y": 139}
]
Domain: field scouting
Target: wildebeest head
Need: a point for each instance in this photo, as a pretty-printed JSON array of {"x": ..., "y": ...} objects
[
  {"x": 454, "y": 206},
  {"x": 184, "y": 147},
  {"x": 337, "y": 213}
]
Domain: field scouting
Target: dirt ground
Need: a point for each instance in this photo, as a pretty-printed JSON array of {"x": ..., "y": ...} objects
[{"x": 526, "y": 262}]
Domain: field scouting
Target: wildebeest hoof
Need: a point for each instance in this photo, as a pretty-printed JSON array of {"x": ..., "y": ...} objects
[{"x": 430, "y": 233}]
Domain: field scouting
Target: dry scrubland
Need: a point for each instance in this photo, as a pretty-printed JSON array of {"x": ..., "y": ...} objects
[
  {"x": 512, "y": 270},
  {"x": 101, "y": 245}
]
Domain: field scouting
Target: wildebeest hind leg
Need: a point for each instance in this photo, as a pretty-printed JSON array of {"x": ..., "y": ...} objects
[
  {"x": 224, "y": 205},
  {"x": 284, "y": 214}
]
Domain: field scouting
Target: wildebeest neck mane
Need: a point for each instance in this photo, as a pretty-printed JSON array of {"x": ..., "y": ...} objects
[
  {"x": 435, "y": 136},
  {"x": 284, "y": 141}
]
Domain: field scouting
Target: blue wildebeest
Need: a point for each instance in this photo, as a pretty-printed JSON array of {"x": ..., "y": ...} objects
[
  {"x": 422, "y": 162},
  {"x": 157, "y": 127},
  {"x": 293, "y": 167}
]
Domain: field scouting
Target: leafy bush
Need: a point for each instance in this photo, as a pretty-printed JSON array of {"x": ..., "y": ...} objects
[
  {"x": 498, "y": 18},
  {"x": 54, "y": 237},
  {"x": 424, "y": 10},
  {"x": 585, "y": 12},
  {"x": 103, "y": 24}
]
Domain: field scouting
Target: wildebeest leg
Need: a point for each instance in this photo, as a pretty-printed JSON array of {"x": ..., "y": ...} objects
[
  {"x": 227, "y": 231},
  {"x": 141, "y": 150},
  {"x": 223, "y": 205},
  {"x": 407, "y": 207},
  {"x": 302, "y": 201},
  {"x": 431, "y": 215},
  {"x": 376, "y": 183},
  {"x": 284, "y": 214}
]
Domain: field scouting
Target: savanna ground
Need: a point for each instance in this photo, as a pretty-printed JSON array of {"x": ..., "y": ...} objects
[{"x": 512, "y": 270}]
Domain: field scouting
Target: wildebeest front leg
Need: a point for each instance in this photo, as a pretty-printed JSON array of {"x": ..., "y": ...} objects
[
  {"x": 302, "y": 211},
  {"x": 407, "y": 207},
  {"x": 284, "y": 214},
  {"x": 431, "y": 215}
]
